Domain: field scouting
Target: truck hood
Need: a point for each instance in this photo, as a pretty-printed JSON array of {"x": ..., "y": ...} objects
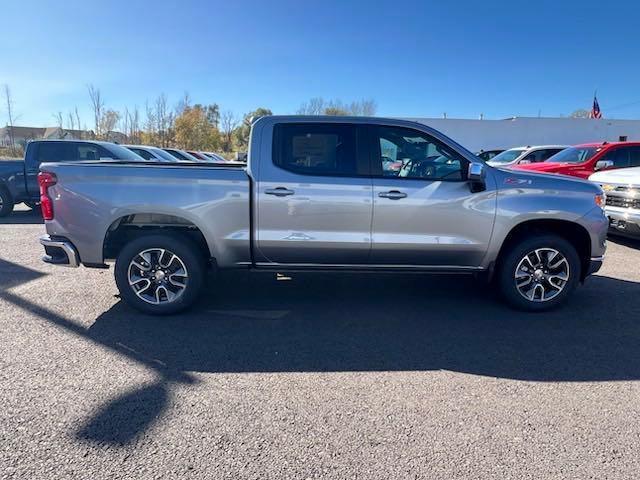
[
  {"x": 627, "y": 176},
  {"x": 512, "y": 178}
]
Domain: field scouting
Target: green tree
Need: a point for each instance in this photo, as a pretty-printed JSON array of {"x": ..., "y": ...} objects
[
  {"x": 243, "y": 131},
  {"x": 194, "y": 131}
]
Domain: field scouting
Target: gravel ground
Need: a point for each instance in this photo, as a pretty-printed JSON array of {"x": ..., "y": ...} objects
[{"x": 325, "y": 376}]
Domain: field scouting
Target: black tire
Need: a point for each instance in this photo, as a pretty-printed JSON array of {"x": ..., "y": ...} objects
[
  {"x": 187, "y": 253},
  {"x": 508, "y": 268},
  {"x": 6, "y": 202}
]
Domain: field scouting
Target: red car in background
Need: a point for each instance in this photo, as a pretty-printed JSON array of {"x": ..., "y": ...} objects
[{"x": 583, "y": 160}]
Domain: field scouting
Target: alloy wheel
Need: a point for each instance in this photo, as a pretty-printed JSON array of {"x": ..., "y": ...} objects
[
  {"x": 542, "y": 275},
  {"x": 158, "y": 276}
]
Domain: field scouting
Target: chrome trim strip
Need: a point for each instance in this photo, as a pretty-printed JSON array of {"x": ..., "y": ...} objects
[
  {"x": 368, "y": 266},
  {"x": 598, "y": 259},
  {"x": 68, "y": 248}
]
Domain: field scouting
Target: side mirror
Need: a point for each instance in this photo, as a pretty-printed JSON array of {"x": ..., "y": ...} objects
[
  {"x": 475, "y": 176},
  {"x": 524, "y": 162},
  {"x": 602, "y": 164}
]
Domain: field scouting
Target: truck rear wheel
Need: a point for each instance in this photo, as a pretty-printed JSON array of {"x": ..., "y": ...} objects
[
  {"x": 159, "y": 274},
  {"x": 538, "y": 273},
  {"x": 6, "y": 202}
]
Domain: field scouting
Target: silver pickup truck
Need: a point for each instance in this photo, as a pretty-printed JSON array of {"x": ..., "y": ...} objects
[{"x": 325, "y": 193}]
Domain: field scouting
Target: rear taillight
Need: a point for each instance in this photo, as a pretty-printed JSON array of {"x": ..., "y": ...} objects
[{"x": 46, "y": 180}]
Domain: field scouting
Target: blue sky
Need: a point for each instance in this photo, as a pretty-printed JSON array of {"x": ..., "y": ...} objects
[{"x": 415, "y": 58}]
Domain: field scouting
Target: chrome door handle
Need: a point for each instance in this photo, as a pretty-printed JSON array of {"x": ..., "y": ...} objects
[
  {"x": 279, "y": 192},
  {"x": 392, "y": 195}
]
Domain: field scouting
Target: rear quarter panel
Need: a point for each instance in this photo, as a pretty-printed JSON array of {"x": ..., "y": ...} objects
[{"x": 89, "y": 198}]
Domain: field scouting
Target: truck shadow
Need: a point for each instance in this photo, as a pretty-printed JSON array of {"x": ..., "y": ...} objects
[
  {"x": 626, "y": 241},
  {"x": 337, "y": 323},
  {"x": 23, "y": 216}
]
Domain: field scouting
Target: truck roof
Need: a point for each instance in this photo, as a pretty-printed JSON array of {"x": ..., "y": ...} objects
[
  {"x": 607, "y": 144},
  {"x": 52, "y": 140}
]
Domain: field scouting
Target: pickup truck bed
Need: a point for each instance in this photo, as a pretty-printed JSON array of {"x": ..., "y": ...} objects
[{"x": 212, "y": 198}]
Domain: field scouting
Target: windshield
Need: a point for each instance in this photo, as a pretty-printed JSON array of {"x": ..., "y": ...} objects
[
  {"x": 507, "y": 156},
  {"x": 165, "y": 155},
  {"x": 574, "y": 155},
  {"x": 122, "y": 153}
]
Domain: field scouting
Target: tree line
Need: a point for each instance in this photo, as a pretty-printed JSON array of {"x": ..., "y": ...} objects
[{"x": 183, "y": 124}]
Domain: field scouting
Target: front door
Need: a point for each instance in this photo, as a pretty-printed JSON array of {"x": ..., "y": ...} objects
[
  {"x": 424, "y": 213},
  {"x": 314, "y": 199}
]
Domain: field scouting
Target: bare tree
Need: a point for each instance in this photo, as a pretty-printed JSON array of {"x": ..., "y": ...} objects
[
  {"x": 59, "y": 120},
  {"x": 364, "y": 107},
  {"x": 228, "y": 123},
  {"x": 78, "y": 122},
  {"x": 108, "y": 121},
  {"x": 10, "y": 119},
  {"x": 71, "y": 120},
  {"x": 97, "y": 104},
  {"x": 134, "y": 122},
  {"x": 314, "y": 106},
  {"x": 164, "y": 118},
  {"x": 319, "y": 106},
  {"x": 183, "y": 104}
]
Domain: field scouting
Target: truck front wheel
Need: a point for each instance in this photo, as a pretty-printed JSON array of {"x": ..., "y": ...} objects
[
  {"x": 6, "y": 202},
  {"x": 538, "y": 273},
  {"x": 159, "y": 274}
]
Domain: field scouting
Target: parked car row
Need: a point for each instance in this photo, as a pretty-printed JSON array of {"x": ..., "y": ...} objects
[
  {"x": 615, "y": 166},
  {"x": 18, "y": 178}
]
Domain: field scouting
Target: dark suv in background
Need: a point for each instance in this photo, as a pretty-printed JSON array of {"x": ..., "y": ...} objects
[{"x": 18, "y": 178}]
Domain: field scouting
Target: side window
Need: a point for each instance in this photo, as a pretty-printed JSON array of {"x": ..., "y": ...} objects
[
  {"x": 406, "y": 153},
  {"x": 143, "y": 153},
  {"x": 87, "y": 151},
  {"x": 532, "y": 157},
  {"x": 634, "y": 157},
  {"x": 619, "y": 157},
  {"x": 547, "y": 154},
  {"x": 315, "y": 149},
  {"x": 56, "y": 152}
]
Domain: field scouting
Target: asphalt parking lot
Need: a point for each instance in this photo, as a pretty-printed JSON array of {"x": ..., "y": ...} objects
[{"x": 326, "y": 376}]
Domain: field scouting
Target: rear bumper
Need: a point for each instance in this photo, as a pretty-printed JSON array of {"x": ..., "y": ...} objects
[{"x": 59, "y": 251}]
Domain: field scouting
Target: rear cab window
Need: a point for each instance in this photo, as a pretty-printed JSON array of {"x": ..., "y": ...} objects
[{"x": 323, "y": 149}]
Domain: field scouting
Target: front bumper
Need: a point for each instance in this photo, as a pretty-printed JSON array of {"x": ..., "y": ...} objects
[
  {"x": 624, "y": 221},
  {"x": 59, "y": 251},
  {"x": 594, "y": 265}
]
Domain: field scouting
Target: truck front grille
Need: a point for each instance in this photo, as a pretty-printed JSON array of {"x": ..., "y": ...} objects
[{"x": 623, "y": 202}]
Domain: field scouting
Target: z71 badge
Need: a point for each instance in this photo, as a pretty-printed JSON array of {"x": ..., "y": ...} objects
[{"x": 517, "y": 181}]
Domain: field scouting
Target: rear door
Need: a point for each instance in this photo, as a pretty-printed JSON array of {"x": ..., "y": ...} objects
[
  {"x": 314, "y": 196},
  {"x": 424, "y": 213}
]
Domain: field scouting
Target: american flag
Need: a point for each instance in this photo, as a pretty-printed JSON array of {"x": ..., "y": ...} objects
[{"x": 595, "y": 110}]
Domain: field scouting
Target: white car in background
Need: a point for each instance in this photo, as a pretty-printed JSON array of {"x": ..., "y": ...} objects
[
  {"x": 622, "y": 199},
  {"x": 215, "y": 157},
  {"x": 152, "y": 154},
  {"x": 524, "y": 155}
]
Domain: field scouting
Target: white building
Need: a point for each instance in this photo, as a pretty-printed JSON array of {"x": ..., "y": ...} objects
[{"x": 479, "y": 135}]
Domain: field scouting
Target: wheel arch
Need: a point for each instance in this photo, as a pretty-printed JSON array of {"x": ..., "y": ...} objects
[
  {"x": 573, "y": 232},
  {"x": 128, "y": 227}
]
